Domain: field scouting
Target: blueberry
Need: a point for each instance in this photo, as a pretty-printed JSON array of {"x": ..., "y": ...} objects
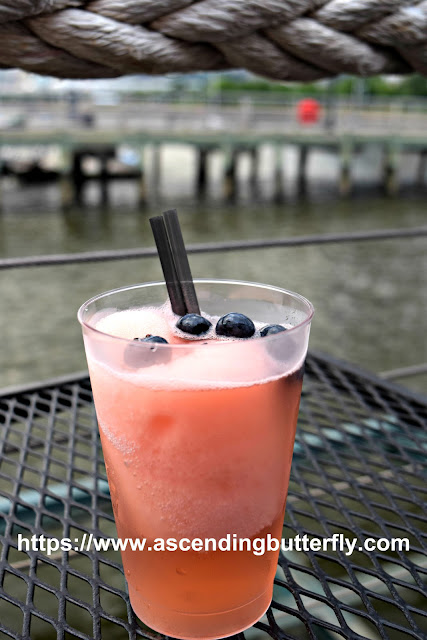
[
  {"x": 137, "y": 357},
  {"x": 235, "y": 325},
  {"x": 151, "y": 338},
  {"x": 194, "y": 324},
  {"x": 271, "y": 329}
]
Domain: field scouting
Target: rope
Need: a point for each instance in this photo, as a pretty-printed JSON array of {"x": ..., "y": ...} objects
[
  {"x": 212, "y": 247},
  {"x": 282, "y": 39}
]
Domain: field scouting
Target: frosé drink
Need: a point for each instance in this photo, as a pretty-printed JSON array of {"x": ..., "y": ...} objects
[{"x": 197, "y": 434}]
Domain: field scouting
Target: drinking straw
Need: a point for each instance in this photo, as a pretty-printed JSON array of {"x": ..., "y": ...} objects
[
  {"x": 180, "y": 258},
  {"x": 168, "y": 266}
]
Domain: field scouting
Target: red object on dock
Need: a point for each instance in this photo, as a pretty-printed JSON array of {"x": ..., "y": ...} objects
[{"x": 308, "y": 111}]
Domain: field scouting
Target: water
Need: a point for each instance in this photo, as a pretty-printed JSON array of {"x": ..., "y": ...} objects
[{"x": 370, "y": 297}]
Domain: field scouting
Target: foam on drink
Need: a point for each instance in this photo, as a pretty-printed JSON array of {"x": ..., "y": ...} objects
[{"x": 214, "y": 362}]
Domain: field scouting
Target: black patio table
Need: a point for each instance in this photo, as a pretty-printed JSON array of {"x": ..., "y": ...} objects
[{"x": 359, "y": 470}]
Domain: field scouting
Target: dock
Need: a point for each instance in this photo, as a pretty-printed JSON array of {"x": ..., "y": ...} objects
[{"x": 232, "y": 131}]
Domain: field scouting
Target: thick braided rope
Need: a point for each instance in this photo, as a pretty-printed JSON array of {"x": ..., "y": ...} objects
[{"x": 282, "y": 39}]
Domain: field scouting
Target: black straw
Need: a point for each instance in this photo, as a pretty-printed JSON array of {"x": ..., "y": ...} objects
[
  {"x": 180, "y": 258},
  {"x": 167, "y": 261}
]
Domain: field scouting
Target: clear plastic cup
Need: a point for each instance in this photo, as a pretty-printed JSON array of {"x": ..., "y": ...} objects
[{"x": 198, "y": 440}]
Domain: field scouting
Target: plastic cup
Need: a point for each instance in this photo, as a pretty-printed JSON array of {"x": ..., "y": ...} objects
[{"x": 198, "y": 441}]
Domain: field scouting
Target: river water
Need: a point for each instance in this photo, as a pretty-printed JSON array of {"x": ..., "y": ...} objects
[{"x": 370, "y": 297}]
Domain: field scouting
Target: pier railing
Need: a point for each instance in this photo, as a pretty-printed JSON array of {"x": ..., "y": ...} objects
[
  {"x": 247, "y": 115},
  {"x": 247, "y": 112}
]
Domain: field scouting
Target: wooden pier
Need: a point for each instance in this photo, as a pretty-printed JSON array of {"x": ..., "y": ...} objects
[{"x": 75, "y": 145}]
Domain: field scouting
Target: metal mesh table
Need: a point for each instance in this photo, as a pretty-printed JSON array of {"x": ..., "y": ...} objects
[{"x": 359, "y": 470}]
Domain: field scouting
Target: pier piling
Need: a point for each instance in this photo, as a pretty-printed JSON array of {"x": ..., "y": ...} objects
[
  {"x": 303, "y": 151},
  {"x": 104, "y": 155},
  {"x": 254, "y": 167},
  {"x": 142, "y": 189},
  {"x": 390, "y": 169},
  {"x": 422, "y": 166},
  {"x": 230, "y": 170},
  {"x": 65, "y": 182},
  {"x": 156, "y": 169},
  {"x": 346, "y": 155},
  {"x": 201, "y": 171},
  {"x": 77, "y": 174},
  {"x": 278, "y": 174}
]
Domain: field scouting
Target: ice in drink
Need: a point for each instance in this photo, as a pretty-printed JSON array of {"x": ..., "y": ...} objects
[{"x": 197, "y": 444}]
